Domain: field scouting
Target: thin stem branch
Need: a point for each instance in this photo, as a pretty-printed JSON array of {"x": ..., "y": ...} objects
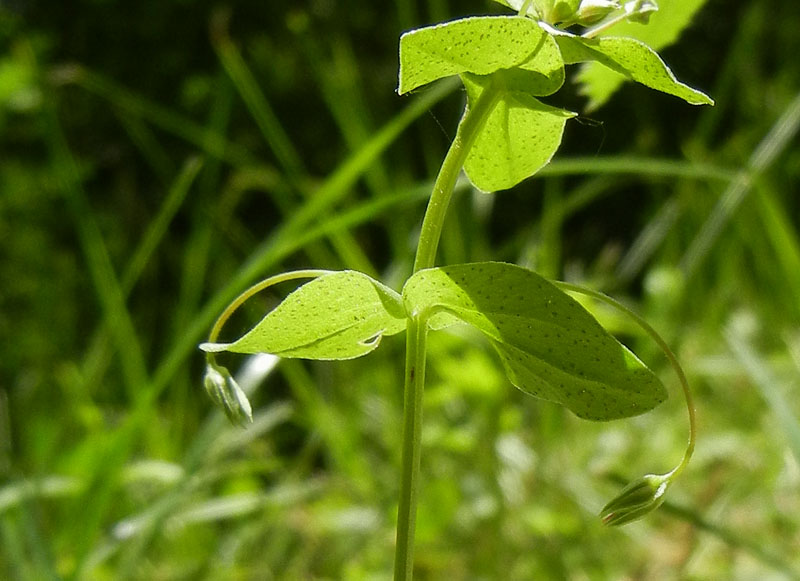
[
  {"x": 257, "y": 288},
  {"x": 605, "y": 25},
  {"x": 523, "y": 10},
  {"x": 687, "y": 392}
]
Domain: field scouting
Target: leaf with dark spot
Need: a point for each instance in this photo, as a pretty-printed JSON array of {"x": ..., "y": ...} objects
[
  {"x": 341, "y": 315},
  {"x": 551, "y": 347},
  {"x": 480, "y": 45},
  {"x": 632, "y": 59}
]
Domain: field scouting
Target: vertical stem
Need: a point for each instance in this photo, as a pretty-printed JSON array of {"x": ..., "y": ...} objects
[
  {"x": 412, "y": 432},
  {"x": 475, "y": 116},
  {"x": 470, "y": 126}
]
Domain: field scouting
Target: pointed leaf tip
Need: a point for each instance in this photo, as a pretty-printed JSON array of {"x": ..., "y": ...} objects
[
  {"x": 632, "y": 59},
  {"x": 551, "y": 347},
  {"x": 341, "y": 315},
  {"x": 214, "y": 347}
]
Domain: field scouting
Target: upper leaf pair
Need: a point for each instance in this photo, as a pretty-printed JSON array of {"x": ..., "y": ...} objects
[
  {"x": 551, "y": 347},
  {"x": 518, "y": 59}
]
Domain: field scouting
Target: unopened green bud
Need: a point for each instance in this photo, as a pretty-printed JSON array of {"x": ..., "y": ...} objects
[
  {"x": 227, "y": 394},
  {"x": 214, "y": 382},
  {"x": 640, "y": 10},
  {"x": 639, "y": 498},
  {"x": 593, "y": 11},
  {"x": 563, "y": 11},
  {"x": 540, "y": 7}
]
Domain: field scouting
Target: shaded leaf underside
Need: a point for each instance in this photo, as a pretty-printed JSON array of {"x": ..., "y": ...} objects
[
  {"x": 520, "y": 136},
  {"x": 551, "y": 347}
]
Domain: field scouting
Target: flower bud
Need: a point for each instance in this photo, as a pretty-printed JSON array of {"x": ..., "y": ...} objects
[
  {"x": 636, "y": 500},
  {"x": 592, "y": 11},
  {"x": 640, "y": 10},
  {"x": 563, "y": 11},
  {"x": 226, "y": 393}
]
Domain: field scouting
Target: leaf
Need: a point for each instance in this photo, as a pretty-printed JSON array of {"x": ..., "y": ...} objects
[
  {"x": 542, "y": 74},
  {"x": 633, "y": 59},
  {"x": 341, "y": 315},
  {"x": 480, "y": 45},
  {"x": 551, "y": 347},
  {"x": 673, "y": 16},
  {"x": 520, "y": 136}
]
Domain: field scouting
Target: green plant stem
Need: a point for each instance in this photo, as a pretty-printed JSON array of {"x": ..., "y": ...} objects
[
  {"x": 470, "y": 126},
  {"x": 257, "y": 288},
  {"x": 523, "y": 11},
  {"x": 472, "y": 122},
  {"x": 687, "y": 392},
  {"x": 605, "y": 25},
  {"x": 416, "y": 335}
]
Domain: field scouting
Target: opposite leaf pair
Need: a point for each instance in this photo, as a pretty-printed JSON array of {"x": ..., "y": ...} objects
[
  {"x": 550, "y": 346},
  {"x": 512, "y": 60}
]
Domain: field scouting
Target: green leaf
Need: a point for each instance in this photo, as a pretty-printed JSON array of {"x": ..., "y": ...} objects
[
  {"x": 665, "y": 26},
  {"x": 551, "y": 347},
  {"x": 630, "y": 58},
  {"x": 542, "y": 74},
  {"x": 480, "y": 45},
  {"x": 520, "y": 136},
  {"x": 341, "y": 315}
]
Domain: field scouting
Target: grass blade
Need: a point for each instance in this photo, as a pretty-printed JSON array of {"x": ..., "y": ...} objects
[
  {"x": 763, "y": 378},
  {"x": 134, "y": 104},
  {"x": 269, "y": 124},
  {"x": 775, "y": 143}
]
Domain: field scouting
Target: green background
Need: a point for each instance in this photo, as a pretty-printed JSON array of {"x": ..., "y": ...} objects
[{"x": 157, "y": 157}]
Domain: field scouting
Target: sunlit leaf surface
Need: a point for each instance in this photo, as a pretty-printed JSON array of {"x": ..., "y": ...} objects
[{"x": 342, "y": 315}]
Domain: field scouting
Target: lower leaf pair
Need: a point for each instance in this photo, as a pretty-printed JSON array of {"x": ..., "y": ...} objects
[{"x": 550, "y": 346}]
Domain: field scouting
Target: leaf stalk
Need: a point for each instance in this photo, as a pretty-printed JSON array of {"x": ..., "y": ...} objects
[
  {"x": 255, "y": 289},
  {"x": 673, "y": 360}
]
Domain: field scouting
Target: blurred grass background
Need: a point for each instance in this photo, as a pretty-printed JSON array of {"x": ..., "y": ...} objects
[{"x": 157, "y": 157}]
